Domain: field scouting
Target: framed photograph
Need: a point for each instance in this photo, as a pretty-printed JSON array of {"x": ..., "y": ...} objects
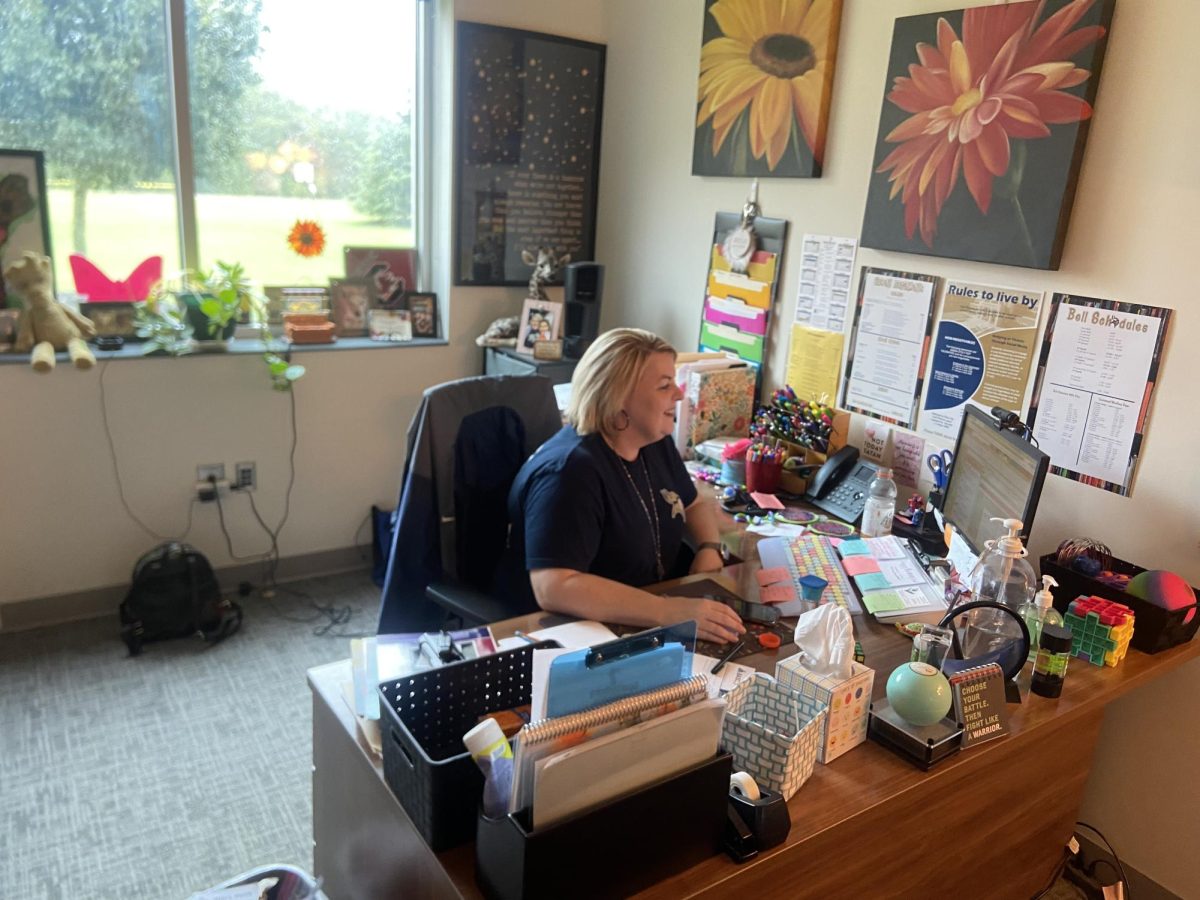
[
  {"x": 24, "y": 213},
  {"x": 541, "y": 320},
  {"x": 527, "y": 150},
  {"x": 751, "y": 55},
  {"x": 390, "y": 325},
  {"x": 112, "y": 318},
  {"x": 391, "y": 271},
  {"x": 976, "y": 158},
  {"x": 424, "y": 314},
  {"x": 349, "y": 301},
  {"x": 303, "y": 299}
]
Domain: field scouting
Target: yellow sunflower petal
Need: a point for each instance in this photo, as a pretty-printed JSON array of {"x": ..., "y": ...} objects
[
  {"x": 818, "y": 26},
  {"x": 722, "y": 50},
  {"x": 791, "y": 15},
  {"x": 808, "y": 95},
  {"x": 736, "y": 81},
  {"x": 735, "y": 20},
  {"x": 771, "y": 120}
]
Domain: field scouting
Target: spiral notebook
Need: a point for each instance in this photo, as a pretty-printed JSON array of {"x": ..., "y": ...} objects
[{"x": 588, "y": 747}]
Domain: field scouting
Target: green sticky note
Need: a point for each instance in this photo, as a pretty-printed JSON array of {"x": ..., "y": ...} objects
[
  {"x": 872, "y": 581},
  {"x": 882, "y": 601},
  {"x": 854, "y": 547}
]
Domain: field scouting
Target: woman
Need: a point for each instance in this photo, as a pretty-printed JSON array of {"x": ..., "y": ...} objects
[{"x": 601, "y": 508}]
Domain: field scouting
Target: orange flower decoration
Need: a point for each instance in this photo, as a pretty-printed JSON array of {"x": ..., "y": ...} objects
[
  {"x": 307, "y": 238},
  {"x": 970, "y": 96}
]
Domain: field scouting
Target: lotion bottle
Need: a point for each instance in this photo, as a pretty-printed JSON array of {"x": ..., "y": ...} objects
[{"x": 1038, "y": 612}]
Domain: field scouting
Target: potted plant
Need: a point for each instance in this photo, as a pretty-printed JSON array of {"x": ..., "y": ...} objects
[{"x": 203, "y": 312}]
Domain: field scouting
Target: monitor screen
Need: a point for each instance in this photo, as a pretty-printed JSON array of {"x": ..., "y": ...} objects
[{"x": 995, "y": 473}]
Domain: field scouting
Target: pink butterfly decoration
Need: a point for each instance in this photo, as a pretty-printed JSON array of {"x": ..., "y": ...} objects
[{"x": 100, "y": 288}]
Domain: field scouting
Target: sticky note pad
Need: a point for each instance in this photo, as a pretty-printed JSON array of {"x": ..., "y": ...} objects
[
  {"x": 777, "y": 593},
  {"x": 860, "y": 565},
  {"x": 854, "y": 547},
  {"x": 774, "y": 575},
  {"x": 766, "y": 501},
  {"x": 882, "y": 601},
  {"x": 871, "y": 581}
]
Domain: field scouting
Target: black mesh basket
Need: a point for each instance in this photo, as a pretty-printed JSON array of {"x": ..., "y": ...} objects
[{"x": 423, "y": 719}]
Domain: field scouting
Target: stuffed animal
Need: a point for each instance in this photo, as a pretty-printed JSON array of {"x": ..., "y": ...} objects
[
  {"x": 546, "y": 264},
  {"x": 501, "y": 333},
  {"x": 47, "y": 325}
]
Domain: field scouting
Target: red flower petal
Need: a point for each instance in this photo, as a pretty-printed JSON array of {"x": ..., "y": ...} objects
[{"x": 979, "y": 180}]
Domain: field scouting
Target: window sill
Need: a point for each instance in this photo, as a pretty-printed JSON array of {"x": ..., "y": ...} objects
[{"x": 237, "y": 347}]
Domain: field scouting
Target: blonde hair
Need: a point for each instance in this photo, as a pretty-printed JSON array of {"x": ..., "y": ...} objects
[{"x": 606, "y": 375}]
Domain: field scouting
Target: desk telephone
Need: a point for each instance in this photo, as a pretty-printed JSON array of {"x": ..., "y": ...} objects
[{"x": 840, "y": 486}]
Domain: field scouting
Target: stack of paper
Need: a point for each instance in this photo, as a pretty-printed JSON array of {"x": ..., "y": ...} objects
[{"x": 892, "y": 583}]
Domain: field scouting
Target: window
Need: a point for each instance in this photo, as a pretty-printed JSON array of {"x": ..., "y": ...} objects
[{"x": 299, "y": 109}]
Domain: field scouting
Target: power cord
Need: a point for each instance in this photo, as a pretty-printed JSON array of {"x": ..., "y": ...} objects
[
  {"x": 1120, "y": 868},
  {"x": 112, "y": 453}
]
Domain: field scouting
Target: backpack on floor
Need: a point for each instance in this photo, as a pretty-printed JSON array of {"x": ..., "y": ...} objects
[{"x": 175, "y": 594}]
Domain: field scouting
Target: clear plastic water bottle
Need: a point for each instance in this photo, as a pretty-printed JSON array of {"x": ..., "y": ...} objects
[{"x": 881, "y": 505}]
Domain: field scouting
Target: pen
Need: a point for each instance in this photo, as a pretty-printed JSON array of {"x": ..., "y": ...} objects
[
  {"x": 727, "y": 657},
  {"x": 523, "y": 636}
]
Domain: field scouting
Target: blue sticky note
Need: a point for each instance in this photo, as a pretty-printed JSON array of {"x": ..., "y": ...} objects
[
  {"x": 854, "y": 547},
  {"x": 872, "y": 581}
]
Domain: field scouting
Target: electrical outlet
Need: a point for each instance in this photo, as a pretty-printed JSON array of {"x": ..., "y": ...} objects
[
  {"x": 245, "y": 477},
  {"x": 211, "y": 470}
]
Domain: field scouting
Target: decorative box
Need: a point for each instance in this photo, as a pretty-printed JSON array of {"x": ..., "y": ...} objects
[
  {"x": 720, "y": 402},
  {"x": 770, "y": 734},
  {"x": 849, "y": 703}
]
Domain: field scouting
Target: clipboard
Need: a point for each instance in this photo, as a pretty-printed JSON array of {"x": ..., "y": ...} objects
[{"x": 630, "y": 665}]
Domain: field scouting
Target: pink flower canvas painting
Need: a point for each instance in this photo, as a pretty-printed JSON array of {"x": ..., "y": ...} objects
[{"x": 983, "y": 128}]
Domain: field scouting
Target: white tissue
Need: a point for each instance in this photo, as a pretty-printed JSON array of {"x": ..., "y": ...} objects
[{"x": 825, "y": 637}]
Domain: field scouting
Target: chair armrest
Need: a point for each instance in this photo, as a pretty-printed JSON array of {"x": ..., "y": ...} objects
[{"x": 472, "y": 606}]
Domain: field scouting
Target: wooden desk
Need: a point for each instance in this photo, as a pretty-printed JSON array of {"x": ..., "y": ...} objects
[{"x": 988, "y": 822}]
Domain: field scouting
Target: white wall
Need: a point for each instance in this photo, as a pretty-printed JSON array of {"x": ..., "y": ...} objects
[{"x": 1132, "y": 237}]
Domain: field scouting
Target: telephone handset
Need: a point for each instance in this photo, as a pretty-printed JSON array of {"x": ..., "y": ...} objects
[{"x": 840, "y": 486}]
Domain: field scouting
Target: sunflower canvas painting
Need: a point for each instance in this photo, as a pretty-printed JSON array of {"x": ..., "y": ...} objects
[
  {"x": 983, "y": 129},
  {"x": 766, "y": 75}
]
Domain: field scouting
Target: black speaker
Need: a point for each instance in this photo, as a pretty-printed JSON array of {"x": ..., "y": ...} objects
[{"x": 582, "y": 283}]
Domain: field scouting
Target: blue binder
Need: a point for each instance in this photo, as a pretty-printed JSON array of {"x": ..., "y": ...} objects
[{"x": 630, "y": 665}]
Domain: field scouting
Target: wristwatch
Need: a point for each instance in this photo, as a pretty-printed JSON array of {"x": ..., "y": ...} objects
[{"x": 714, "y": 545}]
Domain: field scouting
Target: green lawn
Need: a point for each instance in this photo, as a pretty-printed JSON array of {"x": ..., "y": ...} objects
[{"x": 125, "y": 228}]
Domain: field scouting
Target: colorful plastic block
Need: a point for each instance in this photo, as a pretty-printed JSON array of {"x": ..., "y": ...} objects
[{"x": 1100, "y": 629}]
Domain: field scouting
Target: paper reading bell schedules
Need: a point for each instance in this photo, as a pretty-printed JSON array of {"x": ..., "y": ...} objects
[
  {"x": 826, "y": 267},
  {"x": 1096, "y": 375}
]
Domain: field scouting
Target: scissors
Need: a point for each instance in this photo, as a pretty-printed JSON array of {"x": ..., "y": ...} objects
[{"x": 940, "y": 465}]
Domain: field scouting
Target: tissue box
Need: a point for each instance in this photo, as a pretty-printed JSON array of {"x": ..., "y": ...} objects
[{"x": 849, "y": 702}]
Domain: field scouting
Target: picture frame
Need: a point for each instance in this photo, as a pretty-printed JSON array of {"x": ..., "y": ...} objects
[
  {"x": 540, "y": 320},
  {"x": 24, "y": 209},
  {"x": 112, "y": 318},
  {"x": 423, "y": 307},
  {"x": 309, "y": 300},
  {"x": 349, "y": 303},
  {"x": 527, "y": 116},
  {"x": 737, "y": 130},
  {"x": 1005, "y": 194},
  {"x": 392, "y": 272},
  {"x": 389, "y": 325}
]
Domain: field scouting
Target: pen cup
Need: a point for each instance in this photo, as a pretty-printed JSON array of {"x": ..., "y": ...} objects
[
  {"x": 932, "y": 645},
  {"x": 762, "y": 475}
]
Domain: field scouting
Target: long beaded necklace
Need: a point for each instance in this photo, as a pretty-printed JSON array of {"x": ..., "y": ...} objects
[{"x": 651, "y": 512}]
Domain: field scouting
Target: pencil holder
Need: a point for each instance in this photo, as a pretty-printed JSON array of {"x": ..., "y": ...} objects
[{"x": 762, "y": 476}]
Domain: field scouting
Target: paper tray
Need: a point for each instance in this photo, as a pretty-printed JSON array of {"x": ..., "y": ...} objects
[{"x": 614, "y": 850}]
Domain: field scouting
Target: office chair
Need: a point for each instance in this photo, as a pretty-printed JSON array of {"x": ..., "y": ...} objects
[{"x": 466, "y": 444}]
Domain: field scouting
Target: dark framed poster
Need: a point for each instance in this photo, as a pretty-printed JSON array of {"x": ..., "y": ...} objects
[{"x": 526, "y": 150}]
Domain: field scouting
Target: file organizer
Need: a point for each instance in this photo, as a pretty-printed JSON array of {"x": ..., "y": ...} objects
[
  {"x": 423, "y": 719},
  {"x": 614, "y": 850}
]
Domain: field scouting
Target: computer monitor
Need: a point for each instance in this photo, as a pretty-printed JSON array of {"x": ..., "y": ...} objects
[{"x": 996, "y": 473}]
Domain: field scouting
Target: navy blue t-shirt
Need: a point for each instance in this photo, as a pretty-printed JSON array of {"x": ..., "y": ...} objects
[{"x": 575, "y": 504}]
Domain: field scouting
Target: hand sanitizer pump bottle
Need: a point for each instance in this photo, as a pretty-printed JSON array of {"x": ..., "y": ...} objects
[
  {"x": 1002, "y": 576},
  {"x": 1040, "y": 611}
]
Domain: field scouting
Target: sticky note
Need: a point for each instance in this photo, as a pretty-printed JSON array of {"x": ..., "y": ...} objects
[
  {"x": 766, "y": 501},
  {"x": 774, "y": 576},
  {"x": 860, "y": 565},
  {"x": 882, "y": 601},
  {"x": 871, "y": 581},
  {"x": 854, "y": 547},
  {"x": 777, "y": 593}
]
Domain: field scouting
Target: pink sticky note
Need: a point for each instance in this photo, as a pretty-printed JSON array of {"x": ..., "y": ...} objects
[
  {"x": 774, "y": 576},
  {"x": 777, "y": 593},
  {"x": 860, "y": 565},
  {"x": 766, "y": 501}
]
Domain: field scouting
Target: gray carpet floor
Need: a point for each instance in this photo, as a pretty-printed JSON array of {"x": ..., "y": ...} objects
[{"x": 166, "y": 774}]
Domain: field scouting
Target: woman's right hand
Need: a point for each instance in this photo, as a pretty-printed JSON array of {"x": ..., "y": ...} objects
[{"x": 714, "y": 620}]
